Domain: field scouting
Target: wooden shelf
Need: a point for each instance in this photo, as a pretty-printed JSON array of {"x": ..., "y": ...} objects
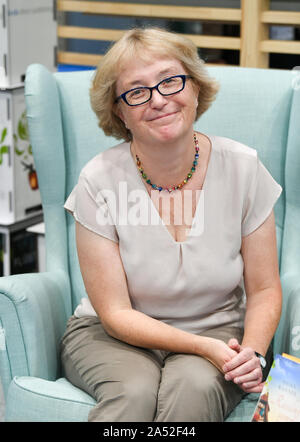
[{"x": 254, "y": 17}]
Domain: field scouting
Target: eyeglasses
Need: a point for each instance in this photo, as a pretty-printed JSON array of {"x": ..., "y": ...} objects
[{"x": 168, "y": 86}]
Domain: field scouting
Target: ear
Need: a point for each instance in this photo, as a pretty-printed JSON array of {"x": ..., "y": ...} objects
[{"x": 196, "y": 88}]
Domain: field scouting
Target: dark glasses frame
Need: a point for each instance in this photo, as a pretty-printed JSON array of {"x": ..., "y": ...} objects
[{"x": 123, "y": 96}]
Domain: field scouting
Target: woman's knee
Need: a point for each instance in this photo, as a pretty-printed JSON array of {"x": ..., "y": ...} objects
[
  {"x": 195, "y": 388},
  {"x": 130, "y": 400},
  {"x": 191, "y": 390},
  {"x": 192, "y": 402}
]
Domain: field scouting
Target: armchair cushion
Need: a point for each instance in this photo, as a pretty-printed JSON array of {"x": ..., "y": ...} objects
[
  {"x": 62, "y": 402},
  {"x": 34, "y": 309},
  {"x": 37, "y": 400},
  {"x": 287, "y": 337},
  {"x": 245, "y": 409}
]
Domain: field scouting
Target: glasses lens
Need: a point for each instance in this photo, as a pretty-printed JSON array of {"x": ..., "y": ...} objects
[
  {"x": 171, "y": 85},
  {"x": 138, "y": 96}
]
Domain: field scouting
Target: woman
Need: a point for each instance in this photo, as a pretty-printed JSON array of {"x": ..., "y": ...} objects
[{"x": 165, "y": 333}]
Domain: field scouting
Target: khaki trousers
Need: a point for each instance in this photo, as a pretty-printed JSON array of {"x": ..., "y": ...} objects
[{"x": 133, "y": 384}]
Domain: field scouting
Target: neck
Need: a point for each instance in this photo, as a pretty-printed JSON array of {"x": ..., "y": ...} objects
[{"x": 166, "y": 163}]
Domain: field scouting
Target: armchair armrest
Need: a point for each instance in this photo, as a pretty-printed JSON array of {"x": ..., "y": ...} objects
[
  {"x": 287, "y": 337},
  {"x": 34, "y": 308}
]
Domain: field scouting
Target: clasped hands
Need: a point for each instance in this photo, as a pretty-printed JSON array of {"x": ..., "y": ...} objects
[
  {"x": 238, "y": 364},
  {"x": 244, "y": 368}
]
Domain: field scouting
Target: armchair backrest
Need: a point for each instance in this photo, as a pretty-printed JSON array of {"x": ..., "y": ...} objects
[{"x": 253, "y": 106}]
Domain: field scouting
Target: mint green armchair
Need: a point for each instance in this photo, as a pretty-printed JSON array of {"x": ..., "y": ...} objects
[{"x": 255, "y": 106}]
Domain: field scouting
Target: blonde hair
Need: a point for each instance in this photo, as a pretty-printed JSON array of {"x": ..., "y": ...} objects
[{"x": 142, "y": 42}]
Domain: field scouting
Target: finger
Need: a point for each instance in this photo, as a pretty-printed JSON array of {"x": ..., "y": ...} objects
[
  {"x": 241, "y": 358},
  {"x": 257, "y": 389},
  {"x": 252, "y": 384},
  {"x": 242, "y": 370},
  {"x": 255, "y": 375},
  {"x": 234, "y": 344}
]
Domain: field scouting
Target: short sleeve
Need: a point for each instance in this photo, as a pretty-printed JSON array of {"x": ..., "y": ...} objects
[
  {"x": 91, "y": 211},
  {"x": 261, "y": 197}
]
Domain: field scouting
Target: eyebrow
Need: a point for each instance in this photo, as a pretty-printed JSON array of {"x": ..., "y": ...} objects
[{"x": 160, "y": 74}]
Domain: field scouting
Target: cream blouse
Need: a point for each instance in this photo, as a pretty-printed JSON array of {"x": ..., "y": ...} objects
[{"x": 194, "y": 285}]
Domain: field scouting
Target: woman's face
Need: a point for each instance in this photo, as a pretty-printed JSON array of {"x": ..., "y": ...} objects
[{"x": 163, "y": 118}]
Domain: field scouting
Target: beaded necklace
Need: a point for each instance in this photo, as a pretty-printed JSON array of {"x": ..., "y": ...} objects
[{"x": 172, "y": 188}]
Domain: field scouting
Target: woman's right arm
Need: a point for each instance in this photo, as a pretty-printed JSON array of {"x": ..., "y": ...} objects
[{"x": 106, "y": 285}]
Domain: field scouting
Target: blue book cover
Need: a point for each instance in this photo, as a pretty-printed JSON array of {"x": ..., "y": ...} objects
[{"x": 280, "y": 399}]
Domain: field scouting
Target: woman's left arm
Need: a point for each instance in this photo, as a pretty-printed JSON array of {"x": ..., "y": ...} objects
[{"x": 263, "y": 309}]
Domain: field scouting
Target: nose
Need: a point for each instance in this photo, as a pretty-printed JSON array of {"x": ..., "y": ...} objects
[{"x": 157, "y": 100}]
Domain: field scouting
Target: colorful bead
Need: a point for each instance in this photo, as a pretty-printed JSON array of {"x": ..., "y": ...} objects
[{"x": 179, "y": 186}]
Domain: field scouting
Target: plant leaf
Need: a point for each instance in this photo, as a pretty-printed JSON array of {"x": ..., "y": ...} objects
[
  {"x": 18, "y": 152},
  {"x": 3, "y": 135},
  {"x": 4, "y": 149},
  {"x": 23, "y": 127}
]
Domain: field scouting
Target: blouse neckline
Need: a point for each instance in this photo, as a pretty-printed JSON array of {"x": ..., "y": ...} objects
[{"x": 142, "y": 186}]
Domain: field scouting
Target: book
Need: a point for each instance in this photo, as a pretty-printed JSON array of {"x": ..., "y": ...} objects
[
  {"x": 293, "y": 358},
  {"x": 279, "y": 400}
]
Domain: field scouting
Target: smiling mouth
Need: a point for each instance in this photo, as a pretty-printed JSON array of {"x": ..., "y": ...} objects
[{"x": 163, "y": 116}]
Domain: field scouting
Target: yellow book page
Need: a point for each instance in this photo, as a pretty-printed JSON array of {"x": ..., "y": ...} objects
[{"x": 293, "y": 358}]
